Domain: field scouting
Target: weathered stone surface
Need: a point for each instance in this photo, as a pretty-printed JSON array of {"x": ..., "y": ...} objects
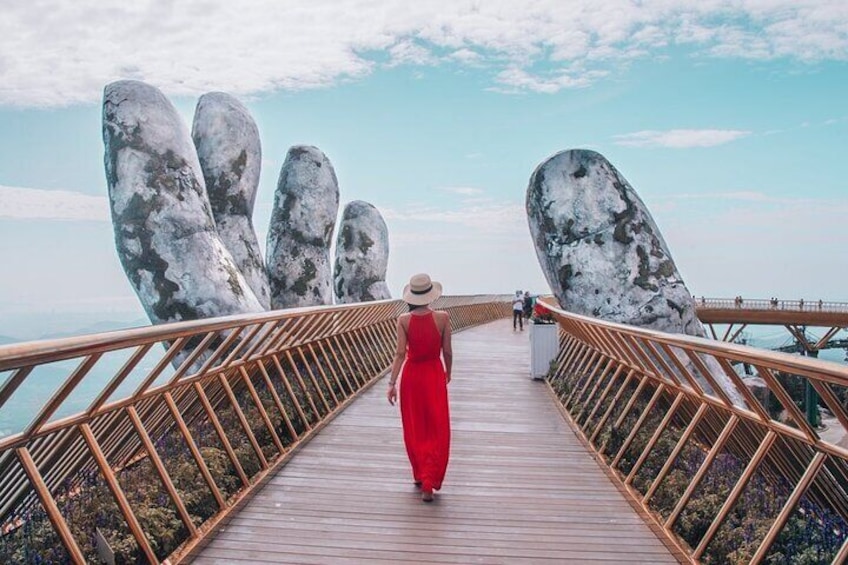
[
  {"x": 362, "y": 255},
  {"x": 230, "y": 154},
  {"x": 305, "y": 207},
  {"x": 599, "y": 248},
  {"x": 602, "y": 253},
  {"x": 164, "y": 231}
]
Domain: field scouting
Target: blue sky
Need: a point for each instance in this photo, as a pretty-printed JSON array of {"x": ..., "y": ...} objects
[{"x": 728, "y": 118}]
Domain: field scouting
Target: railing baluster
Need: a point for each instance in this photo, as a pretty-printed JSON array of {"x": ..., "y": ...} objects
[
  {"x": 116, "y": 381},
  {"x": 50, "y": 507},
  {"x": 681, "y": 443},
  {"x": 693, "y": 382},
  {"x": 787, "y": 402},
  {"x": 643, "y": 381},
  {"x": 317, "y": 384},
  {"x": 261, "y": 408},
  {"x": 220, "y": 350},
  {"x": 283, "y": 414},
  {"x": 292, "y": 396},
  {"x": 654, "y": 438},
  {"x": 8, "y": 388},
  {"x": 320, "y": 370},
  {"x": 172, "y": 352},
  {"x": 580, "y": 373},
  {"x": 702, "y": 470},
  {"x": 353, "y": 372},
  {"x": 618, "y": 394},
  {"x": 263, "y": 462},
  {"x": 193, "y": 356},
  {"x": 841, "y": 556},
  {"x": 161, "y": 471},
  {"x": 62, "y": 394},
  {"x": 351, "y": 389},
  {"x": 222, "y": 435},
  {"x": 597, "y": 385},
  {"x": 734, "y": 494},
  {"x": 320, "y": 366},
  {"x": 604, "y": 393},
  {"x": 118, "y": 493},
  {"x": 638, "y": 425},
  {"x": 303, "y": 386},
  {"x": 806, "y": 480}
]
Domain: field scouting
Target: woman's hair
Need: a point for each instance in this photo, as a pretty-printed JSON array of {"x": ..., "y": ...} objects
[{"x": 416, "y": 306}]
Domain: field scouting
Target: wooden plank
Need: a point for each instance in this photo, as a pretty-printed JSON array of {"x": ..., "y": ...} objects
[{"x": 520, "y": 486}]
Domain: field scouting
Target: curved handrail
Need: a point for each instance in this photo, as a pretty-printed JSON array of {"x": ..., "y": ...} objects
[
  {"x": 703, "y": 303},
  {"x": 621, "y": 385},
  {"x": 51, "y": 350},
  {"x": 807, "y": 366}
]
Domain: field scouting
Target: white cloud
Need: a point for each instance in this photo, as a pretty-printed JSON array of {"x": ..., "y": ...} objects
[
  {"x": 462, "y": 190},
  {"x": 680, "y": 138},
  {"x": 519, "y": 79},
  {"x": 34, "y": 203},
  {"x": 467, "y": 56},
  {"x": 409, "y": 52},
  {"x": 55, "y": 53}
]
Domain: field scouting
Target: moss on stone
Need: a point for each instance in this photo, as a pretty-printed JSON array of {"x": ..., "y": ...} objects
[
  {"x": 365, "y": 242},
  {"x": 301, "y": 284}
]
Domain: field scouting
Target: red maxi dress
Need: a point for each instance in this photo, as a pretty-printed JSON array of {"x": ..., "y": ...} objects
[{"x": 424, "y": 403}]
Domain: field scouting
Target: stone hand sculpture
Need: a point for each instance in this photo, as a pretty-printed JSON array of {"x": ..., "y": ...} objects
[
  {"x": 362, "y": 255},
  {"x": 165, "y": 233},
  {"x": 602, "y": 253},
  {"x": 305, "y": 208},
  {"x": 599, "y": 248},
  {"x": 227, "y": 142},
  {"x": 182, "y": 207}
]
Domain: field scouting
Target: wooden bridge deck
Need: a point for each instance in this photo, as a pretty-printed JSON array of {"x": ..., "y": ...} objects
[{"x": 520, "y": 485}]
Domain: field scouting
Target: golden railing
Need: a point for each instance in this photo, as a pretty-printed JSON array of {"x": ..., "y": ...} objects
[
  {"x": 723, "y": 480},
  {"x": 203, "y": 411},
  {"x": 703, "y": 303}
]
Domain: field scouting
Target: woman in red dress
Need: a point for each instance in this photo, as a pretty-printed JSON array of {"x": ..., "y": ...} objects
[{"x": 423, "y": 342}]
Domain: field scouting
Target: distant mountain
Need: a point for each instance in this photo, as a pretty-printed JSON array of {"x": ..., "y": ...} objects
[
  {"x": 40, "y": 324},
  {"x": 6, "y": 340},
  {"x": 98, "y": 327}
]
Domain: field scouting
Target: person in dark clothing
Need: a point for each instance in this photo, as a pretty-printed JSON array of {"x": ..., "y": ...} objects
[{"x": 517, "y": 311}]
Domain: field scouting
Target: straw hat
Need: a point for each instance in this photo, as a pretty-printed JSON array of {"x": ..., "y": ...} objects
[{"x": 421, "y": 290}]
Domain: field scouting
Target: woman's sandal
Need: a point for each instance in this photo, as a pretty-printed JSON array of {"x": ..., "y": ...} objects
[{"x": 427, "y": 495}]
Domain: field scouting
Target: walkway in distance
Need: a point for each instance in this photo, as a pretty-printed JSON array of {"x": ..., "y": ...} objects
[{"x": 520, "y": 488}]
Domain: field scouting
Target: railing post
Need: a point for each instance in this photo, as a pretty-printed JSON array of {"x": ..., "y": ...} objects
[
  {"x": 49, "y": 505},
  {"x": 811, "y": 398}
]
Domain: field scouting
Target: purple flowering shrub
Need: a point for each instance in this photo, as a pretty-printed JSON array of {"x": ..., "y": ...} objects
[
  {"x": 812, "y": 535},
  {"x": 815, "y": 530},
  {"x": 656, "y": 458},
  {"x": 679, "y": 477},
  {"x": 86, "y": 503}
]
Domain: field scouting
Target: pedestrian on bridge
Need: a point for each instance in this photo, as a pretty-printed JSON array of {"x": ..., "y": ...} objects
[
  {"x": 517, "y": 311},
  {"x": 423, "y": 360}
]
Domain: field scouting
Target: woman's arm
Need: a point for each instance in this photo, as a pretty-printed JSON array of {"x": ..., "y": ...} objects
[
  {"x": 400, "y": 353},
  {"x": 447, "y": 349}
]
